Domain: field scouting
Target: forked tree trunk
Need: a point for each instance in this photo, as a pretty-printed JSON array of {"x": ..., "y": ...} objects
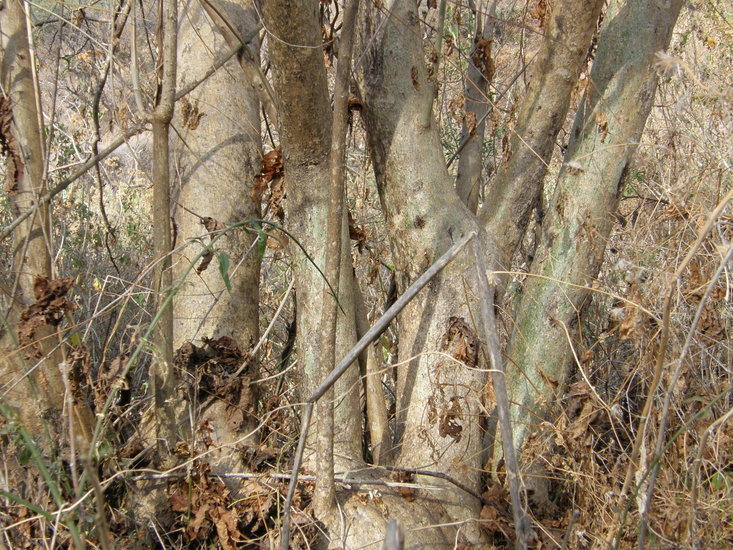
[
  {"x": 517, "y": 188},
  {"x": 442, "y": 394},
  {"x": 605, "y": 135},
  {"x": 441, "y": 382}
]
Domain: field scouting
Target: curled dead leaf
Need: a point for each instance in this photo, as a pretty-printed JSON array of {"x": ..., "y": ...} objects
[{"x": 49, "y": 310}]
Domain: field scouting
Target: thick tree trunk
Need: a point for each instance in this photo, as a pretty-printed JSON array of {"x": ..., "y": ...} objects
[
  {"x": 441, "y": 381},
  {"x": 605, "y": 135},
  {"x": 517, "y": 189},
  {"x": 217, "y": 154},
  {"x": 38, "y": 395}
]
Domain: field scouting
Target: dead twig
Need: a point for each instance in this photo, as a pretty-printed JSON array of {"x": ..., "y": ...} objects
[
  {"x": 662, "y": 350},
  {"x": 659, "y": 449}
]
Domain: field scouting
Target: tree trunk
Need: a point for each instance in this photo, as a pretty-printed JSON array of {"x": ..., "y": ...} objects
[
  {"x": 163, "y": 375},
  {"x": 217, "y": 156},
  {"x": 517, "y": 189},
  {"x": 37, "y": 394},
  {"x": 476, "y": 110},
  {"x": 605, "y": 135},
  {"x": 439, "y": 397},
  {"x": 299, "y": 80}
]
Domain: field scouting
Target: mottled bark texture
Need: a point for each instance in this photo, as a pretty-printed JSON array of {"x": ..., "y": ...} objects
[
  {"x": 217, "y": 154},
  {"x": 31, "y": 375},
  {"x": 605, "y": 135},
  {"x": 440, "y": 381},
  {"x": 517, "y": 188},
  {"x": 301, "y": 89}
]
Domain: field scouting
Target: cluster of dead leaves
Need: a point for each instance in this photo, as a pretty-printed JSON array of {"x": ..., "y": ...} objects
[
  {"x": 402, "y": 476},
  {"x": 191, "y": 114},
  {"x": 49, "y": 309},
  {"x": 449, "y": 424},
  {"x": 357, "y": 233},
  {"x": 483, "y": 59},
  {"x": 584, "y": 420},
  {"x": 271, "y": 176},
  {"x": 212, "y": 366},
  {"x": 210, "y": 512},
  {"x": 461, "y": 341},
  {"x": 540, "y": 11},
  {"x": 212, "y": 226},
  {"x": 206, "y": 502},
  {"x": 496, "y": 514}
]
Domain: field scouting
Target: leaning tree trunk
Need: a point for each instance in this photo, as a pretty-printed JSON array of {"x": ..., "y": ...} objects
[
  {"x": 217, "y": 156},
  {"x": 605, "y": 135},
  {"x": 517, "y": 188},
  {"x": 37, "y": 395}
]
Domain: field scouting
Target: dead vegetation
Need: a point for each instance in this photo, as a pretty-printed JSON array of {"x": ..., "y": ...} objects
[{"x": 51, "y": 498}]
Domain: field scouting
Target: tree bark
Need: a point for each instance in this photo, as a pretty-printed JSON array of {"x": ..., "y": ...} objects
[
  {"x": 477, "y": 108},
  {"x": 217, "y": 154},
  {"x": 37, "y": 395},
  {"x": 299, "y": 80},
  {"x": 439, "y": 398},
  {"x": 324, "y": 497},
  {"x": 163, "y": 376},
  {"x": 517, "y": 189},
  {"x": 605, "y": 135}
]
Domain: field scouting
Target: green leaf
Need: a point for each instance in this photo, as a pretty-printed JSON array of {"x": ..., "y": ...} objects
[
  {"x": 261, "y": 245},
  {"x": 75, "y": 339},
  {"x": 25, "y": 456},
  {"x": 223, "y": 258}
]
